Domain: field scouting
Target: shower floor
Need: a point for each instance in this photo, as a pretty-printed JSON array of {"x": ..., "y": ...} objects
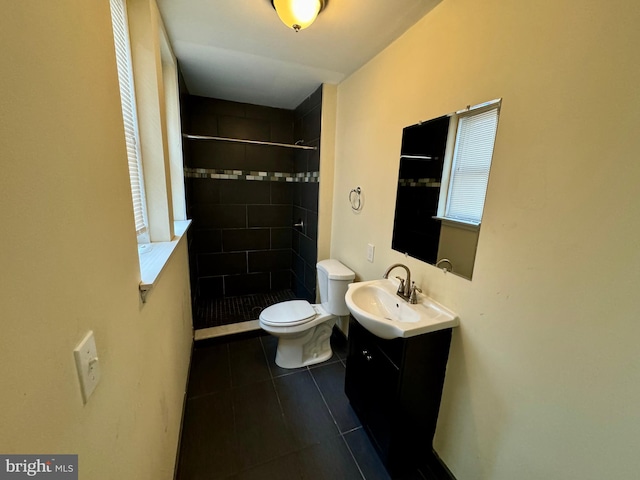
[{"x": 224, "y": 311}]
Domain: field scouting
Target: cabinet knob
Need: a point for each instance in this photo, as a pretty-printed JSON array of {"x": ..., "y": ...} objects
[{"x": 367, "y": 356}]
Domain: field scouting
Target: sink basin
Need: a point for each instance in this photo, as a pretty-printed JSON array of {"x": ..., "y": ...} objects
[{"x": 377, "y": 308}]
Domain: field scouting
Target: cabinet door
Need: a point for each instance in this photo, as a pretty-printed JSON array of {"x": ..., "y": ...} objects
[
  {"x": 359, "y": 376},
  {"x": 371, "y": 384},
  {"x": 383, "y": 403}
]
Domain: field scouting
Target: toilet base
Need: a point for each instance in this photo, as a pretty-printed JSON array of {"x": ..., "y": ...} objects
[{"x": 311, "y": 347}]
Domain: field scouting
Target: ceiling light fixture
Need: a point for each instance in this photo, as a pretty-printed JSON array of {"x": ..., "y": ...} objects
[{"x": 298, "y": 14}]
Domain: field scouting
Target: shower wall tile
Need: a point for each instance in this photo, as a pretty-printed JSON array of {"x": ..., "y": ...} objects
[
  {"x": 281, "y": 238},
  {"x": 269, "y": 215},
  {"x": 307, "y": 127},
  {"x": 242, "y": 240},
  {"x": 268, "y": 158},
  {"x": 206, "y": 241},
  {"x": 300, "y": 291},
  {"x": 213, "y": 107},
  {"x": 301, "y": 161},
  {"x": 281, "y": 280},
  {"x": 202, "y": 191},
  {"x": 210, "y": 264},
  {"x": 202, "y": 122},
  {"x": 309, "y": 277},
  {"x": 282, "y": 132},
  {"x": 310, "y": 196},
  {"x": 219, "y": 216},
  {"x": 186, "y": 152},
  {"x": 312, "y": 225},
  {"x": 244, "y": 192},
  {"x": 277, "y": 116},
  {"x": 311, "y": 124},
  {"x": 246, "y": 284},
  {"x": 246, "y": 239},
  {"x": 309, "y": 103},
  {"x": 268, "y": 260},
  {"x": 297, "y": 265},
  {"x": 308, "y": 250},
  {"x": 297, "y": 127},
  {"x": 210, "y": 154},
  {"x": 210, "y": 287},
  {"x": 299, "y": 214},
  {"x": 244, "y": 128},
  {"x": 281, "y": 193},
  {"x": 297, "y": 194},
  {"x": 193, "y": 272}
]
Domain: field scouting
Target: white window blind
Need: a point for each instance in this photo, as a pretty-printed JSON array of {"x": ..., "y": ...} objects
[
  {"x": 127, "y": 98},
  {"x": 471, "y": 163}
]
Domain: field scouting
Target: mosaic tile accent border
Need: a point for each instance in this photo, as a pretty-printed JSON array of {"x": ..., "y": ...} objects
[
  {"x": 419, "y": 182},
  {"x": 300, "y": 177}
]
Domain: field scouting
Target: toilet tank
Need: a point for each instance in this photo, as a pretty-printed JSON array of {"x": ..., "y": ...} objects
[{"x": 333, "y": 280}]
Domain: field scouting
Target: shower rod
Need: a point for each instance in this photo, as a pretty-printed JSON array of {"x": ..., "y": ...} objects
[{"x": 253, "y": 142}]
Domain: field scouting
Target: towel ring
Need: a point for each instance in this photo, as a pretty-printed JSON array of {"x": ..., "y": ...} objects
[{"x": 355, "y": 200}]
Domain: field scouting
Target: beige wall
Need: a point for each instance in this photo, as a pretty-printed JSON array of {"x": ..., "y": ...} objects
[
  {"x": 68, "y": 257},
  {"x": 458, "y": 243},
  {"x": 544, "y": 374}
]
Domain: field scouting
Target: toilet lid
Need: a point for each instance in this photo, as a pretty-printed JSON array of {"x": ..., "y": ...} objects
[{"x": 289, "y": 313}]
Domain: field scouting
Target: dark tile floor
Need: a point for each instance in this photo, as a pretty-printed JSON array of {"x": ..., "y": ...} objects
[
  {"x": 247, "y": 418},
  {"x": 213, "y": 312}
]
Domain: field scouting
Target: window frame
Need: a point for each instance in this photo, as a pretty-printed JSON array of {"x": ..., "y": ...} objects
[{"x": 154, "y": 76}]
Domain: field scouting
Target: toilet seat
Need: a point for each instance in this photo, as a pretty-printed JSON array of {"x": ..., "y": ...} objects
[{"x": 288, "y": 314}]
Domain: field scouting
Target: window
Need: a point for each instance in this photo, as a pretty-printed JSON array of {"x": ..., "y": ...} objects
[
  {"x": 129, "y": 115},
  {"x": 152, "y": 133},
  {"x": 467, "y": 163}
]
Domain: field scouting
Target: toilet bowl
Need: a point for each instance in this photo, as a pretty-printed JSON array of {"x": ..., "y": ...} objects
[{"x": 304, "y": 329}]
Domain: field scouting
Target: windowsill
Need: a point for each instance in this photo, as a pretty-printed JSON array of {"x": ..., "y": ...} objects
[
  {"x": 154, "y": 256},
  {"x": 458, "y": 223}
]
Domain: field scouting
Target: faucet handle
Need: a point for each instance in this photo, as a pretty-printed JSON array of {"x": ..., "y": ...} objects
[
  {"x": 401, "y": 286},
  {"x": 414, "y": 296}
]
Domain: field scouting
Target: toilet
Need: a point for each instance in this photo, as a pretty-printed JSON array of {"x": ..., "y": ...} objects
[{"x": 303, "y": 329}]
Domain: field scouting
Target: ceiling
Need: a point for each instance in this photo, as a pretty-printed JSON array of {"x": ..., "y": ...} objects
[{"x": 239, "y": 50}]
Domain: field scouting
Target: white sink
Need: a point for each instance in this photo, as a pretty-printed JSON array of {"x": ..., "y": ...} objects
[{"x": 377, "y": 308}]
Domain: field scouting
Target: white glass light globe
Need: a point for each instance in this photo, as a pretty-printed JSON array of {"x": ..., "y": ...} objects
[{"x": 297, "y": 14}]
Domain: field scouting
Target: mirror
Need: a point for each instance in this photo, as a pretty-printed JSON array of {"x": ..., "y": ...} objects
[{"x": 443, "y": 174}]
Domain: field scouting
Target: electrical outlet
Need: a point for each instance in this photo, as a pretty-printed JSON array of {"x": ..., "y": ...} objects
[
  {"x": 86, "y": 356},
  {"x": 370, "y": 251}
]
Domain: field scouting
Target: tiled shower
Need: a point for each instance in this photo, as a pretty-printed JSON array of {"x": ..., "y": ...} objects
[{"x": 245, "y": 199}]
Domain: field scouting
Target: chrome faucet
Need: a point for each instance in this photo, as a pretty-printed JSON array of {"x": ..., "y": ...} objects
[{"x": 405, "y": 287}]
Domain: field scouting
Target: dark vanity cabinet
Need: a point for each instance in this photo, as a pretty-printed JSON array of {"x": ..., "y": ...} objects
[{"x": 395, "y": 387}]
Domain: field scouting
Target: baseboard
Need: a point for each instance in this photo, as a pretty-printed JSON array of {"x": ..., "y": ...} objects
[
  {"x": 208, "y": 337},
  {"x": 184, "y": 407},
  {"x": 226, "y": 330}
]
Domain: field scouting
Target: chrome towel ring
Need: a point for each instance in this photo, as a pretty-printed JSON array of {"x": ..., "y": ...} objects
[{"x": 355, "y": 199}]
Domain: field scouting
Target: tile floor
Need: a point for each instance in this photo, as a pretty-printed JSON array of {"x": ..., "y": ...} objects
[
  {"x": 246, "y": 418},
  {"x": 213, "y": 312}
]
